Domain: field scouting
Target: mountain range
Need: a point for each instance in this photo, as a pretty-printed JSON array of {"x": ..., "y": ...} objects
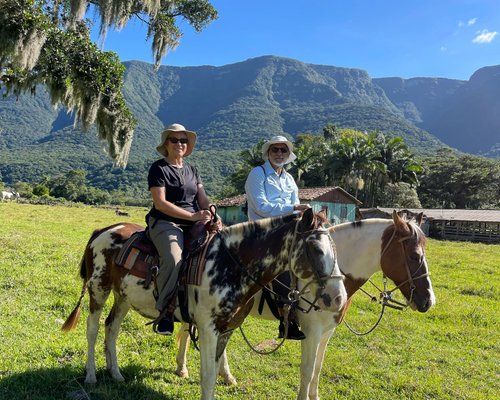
[{"x": 233, "y": 106}]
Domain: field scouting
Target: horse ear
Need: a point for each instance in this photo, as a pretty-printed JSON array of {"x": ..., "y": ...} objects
[
  {"x": 419, "y": 218},
  {"x": 399, "y": 222},
  {"x": 307, "y": 219}
]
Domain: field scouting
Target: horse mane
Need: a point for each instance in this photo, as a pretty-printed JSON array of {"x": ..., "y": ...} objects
[
  {"x": 417, "y": 231},
  {"x": 270, "y": 223},
  {"x": 321, "y": 218},
  {"x": 251, "y": 226}
]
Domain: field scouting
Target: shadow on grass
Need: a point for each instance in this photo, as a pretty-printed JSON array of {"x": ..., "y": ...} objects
[{"x": 67, "y": 383}]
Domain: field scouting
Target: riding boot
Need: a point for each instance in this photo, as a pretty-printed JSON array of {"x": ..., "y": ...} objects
[
  {"x": 165, "y": 326},
  {"x": 165, "y": 322},
  {"x": 293, "y": 332}
]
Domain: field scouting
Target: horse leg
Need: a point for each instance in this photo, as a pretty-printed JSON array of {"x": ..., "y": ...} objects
[
  {"x": 97, "y": 299},
  {"x": 225, "y": 372},
  {"x": 320, "y": 355},
  {"x": 309, "y": 347},
  {"x": 183, "y": 340},
  {"x": 208, "y": 363},
  {"x": 113, "y": 322}
]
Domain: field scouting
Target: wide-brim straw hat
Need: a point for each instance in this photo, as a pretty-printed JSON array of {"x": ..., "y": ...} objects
[
  {"x": 176, "y": 128},
  {"x": 276, "y": 140}
]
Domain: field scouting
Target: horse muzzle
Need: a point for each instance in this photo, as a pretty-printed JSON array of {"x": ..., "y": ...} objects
[
  {"x": 333, "y": 297},
  {"x": 423, "y": 303}
]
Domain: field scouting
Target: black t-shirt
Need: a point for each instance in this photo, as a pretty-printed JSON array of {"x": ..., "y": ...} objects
[{"x": 181, "y": 187}]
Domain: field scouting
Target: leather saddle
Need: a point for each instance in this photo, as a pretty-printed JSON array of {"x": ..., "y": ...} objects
[{"x": 139, "y": 255}]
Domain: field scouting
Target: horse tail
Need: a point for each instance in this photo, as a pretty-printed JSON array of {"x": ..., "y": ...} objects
[{"x": 72, "y": 321}]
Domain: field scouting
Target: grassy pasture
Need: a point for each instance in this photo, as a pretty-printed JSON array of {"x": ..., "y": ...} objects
[{"x": 451, "y": 352}]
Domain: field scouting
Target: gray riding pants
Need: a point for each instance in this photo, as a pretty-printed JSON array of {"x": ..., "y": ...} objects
[{"x": 168, "y": 238}]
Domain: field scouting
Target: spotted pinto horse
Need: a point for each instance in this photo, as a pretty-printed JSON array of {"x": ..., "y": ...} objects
[{"x": 240, "y": 260}]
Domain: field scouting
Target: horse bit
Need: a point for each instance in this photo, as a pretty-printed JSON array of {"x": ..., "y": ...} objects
[{"x": 295, "y": 295}]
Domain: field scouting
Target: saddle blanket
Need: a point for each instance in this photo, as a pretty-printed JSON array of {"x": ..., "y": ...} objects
[{"x": 138, "y": 255}]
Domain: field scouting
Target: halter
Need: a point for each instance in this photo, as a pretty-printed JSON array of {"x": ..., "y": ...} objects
[
  {"x": 295, "y": 295},
  {"x": 385, "y": 296}
]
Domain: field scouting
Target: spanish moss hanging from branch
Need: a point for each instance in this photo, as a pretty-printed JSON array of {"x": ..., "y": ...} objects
[{"x": 48, "y": 43}]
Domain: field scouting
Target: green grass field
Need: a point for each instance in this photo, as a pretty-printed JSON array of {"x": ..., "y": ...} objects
[{"x": 450, "y": 352}]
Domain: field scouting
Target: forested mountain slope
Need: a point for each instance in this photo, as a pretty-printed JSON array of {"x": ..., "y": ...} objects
[{"x": 233, "y": 106}]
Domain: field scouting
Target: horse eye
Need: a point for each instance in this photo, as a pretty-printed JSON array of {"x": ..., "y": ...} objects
[
  {"x": 415, "y": 257},
  {"x": 316, "y": 247}
]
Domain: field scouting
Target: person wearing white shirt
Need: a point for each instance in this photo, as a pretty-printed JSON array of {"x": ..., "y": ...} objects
[{"x": 272, "y": 192}]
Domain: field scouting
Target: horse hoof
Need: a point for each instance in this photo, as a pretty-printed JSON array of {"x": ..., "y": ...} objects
[
  {"x": 182, "y": 373},
  {"x": 117, "y": 376},
  {"x": 91, "y": 380},
  {"x": 230, "y": 381}
]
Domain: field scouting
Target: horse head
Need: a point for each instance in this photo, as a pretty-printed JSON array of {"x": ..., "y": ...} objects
[
  {"x": 315, "y": 257},
  {"x": 403, "y": 261}
]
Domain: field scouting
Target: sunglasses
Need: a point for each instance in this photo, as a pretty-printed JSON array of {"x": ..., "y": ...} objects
[
  {"x": 175, "y": 140},
  {"x": 283, "y": 150}
]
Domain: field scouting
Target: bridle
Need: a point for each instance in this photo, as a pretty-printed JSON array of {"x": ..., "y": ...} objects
[
  {"x": 385, "y": 296},
  {"x": 295, "y": 295},
  {"x": 411, "y": 276}
]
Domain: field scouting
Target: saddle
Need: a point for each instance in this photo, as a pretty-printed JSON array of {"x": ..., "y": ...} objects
[{"x": 139, "y": 256}]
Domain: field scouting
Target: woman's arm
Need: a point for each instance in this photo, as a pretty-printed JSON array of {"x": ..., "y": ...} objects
[
  {"x": 170, "y": 209},
  {"x": 202, "y": 198}
]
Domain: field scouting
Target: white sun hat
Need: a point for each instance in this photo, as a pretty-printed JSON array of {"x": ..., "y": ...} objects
[
  {"x": 176, "y": 128},
  {"x": 276, "y": 140}
]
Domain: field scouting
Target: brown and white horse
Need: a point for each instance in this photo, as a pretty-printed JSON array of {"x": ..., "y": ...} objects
[
  {"x": 397, "y": 247},
  {"x": 240, "y": 259}
]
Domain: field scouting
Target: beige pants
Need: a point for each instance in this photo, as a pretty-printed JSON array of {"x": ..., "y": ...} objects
[{"x": 168, "y": 238}]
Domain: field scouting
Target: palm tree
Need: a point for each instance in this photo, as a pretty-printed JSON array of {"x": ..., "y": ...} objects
[
  {"x": 351, "y": 159},
  {"x": 309, "y": 150},
  {"x": 250, "y": 158},
  {"x": 400, "y": 161}
]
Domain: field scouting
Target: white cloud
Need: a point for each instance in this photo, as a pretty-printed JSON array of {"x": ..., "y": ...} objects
[
  {"x": 443, "y": 49},
  {"x": 484, "y": 36},
  {"x": 470, "y": 22}
]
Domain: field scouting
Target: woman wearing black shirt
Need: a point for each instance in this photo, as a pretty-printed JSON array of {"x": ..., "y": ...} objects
[{"x": 179, "y": 200}]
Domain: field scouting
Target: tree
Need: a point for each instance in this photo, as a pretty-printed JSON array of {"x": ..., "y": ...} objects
[
  {"x": 250, "y": 158},
  {"x": 69, "y": 186},
  {"x": 393, "y": 163},
  {"x": 330, "y": 132},
  {"x": 309, "y": 150},
  {"x": 460, "y": 181},
  {"x": 350, "y": 158},
  {"x": 399, "y": 195},
  {"x": 47, "y": 42}
]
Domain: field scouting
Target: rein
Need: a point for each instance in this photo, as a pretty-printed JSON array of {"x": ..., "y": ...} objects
[
  {"x": 385, "y": 296},
  {"x": 294, "y": 296}
]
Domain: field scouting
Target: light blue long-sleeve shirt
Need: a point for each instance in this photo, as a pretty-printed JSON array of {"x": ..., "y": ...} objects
[{"x": 270, "y": 194}]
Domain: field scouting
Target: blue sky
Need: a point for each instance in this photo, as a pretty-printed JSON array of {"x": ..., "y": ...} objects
[{"x": 405, "y": 38}]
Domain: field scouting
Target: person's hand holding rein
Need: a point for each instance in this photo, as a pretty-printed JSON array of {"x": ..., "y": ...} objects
[
  {"x": 201, "y": 215},
  {"x": 301, "y": 207}
]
